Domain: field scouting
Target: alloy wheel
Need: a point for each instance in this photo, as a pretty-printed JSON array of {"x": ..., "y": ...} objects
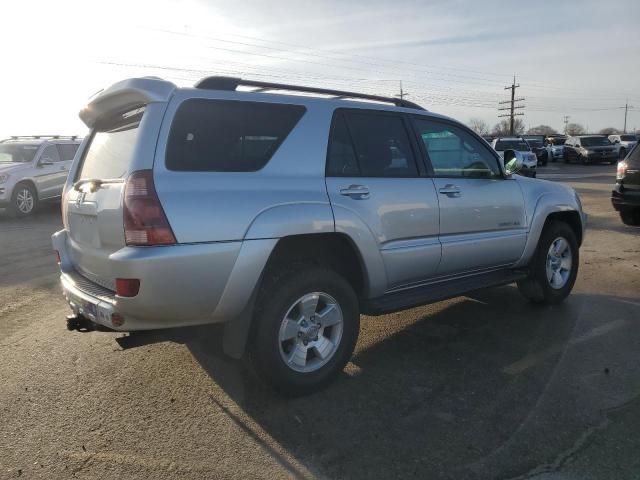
[{"x": 310, "y": 332}]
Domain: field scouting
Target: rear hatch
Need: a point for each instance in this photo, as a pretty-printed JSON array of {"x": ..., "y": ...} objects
[
  {"x": 124, "y": 122},
  {"x": 631, "y": 178}
]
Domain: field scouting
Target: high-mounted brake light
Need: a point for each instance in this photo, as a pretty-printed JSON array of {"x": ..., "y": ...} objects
[{"x": 145, "y": 222}]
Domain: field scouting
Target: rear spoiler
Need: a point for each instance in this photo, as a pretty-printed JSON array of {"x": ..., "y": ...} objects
[{"x": 124, "y": 96}]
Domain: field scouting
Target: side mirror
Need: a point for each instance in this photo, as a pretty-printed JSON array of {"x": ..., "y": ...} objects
[
  {"x": 513, "y": 161},
  {"x": 44, "y": 162},
  {"x": 616, "y": 140}
]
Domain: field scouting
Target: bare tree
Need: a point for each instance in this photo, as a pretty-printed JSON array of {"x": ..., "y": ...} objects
[
  {"x": 609, "y": 131},
  {"x": 502, "y": 127},
  {"x": 574, "y": 129},
  {"x": 542, "y": 130},
  {"x": 479, "y": 126}
]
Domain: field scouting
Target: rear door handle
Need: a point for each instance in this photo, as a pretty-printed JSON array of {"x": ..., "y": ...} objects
[
  {"x": 357, "y": 192},
  {"x": 450, "y": 190}
]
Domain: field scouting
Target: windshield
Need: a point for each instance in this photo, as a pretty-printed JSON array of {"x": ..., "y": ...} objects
[
  {"x": 519, "y": 145},
  {"x": 558, "y": 141},
  {"x": 595, "y": 142},
  {"x": 628, "y": 138},
  {"x": 17, "y": 153}
]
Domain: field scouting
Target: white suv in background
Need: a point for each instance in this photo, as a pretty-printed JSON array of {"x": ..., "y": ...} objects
[
  {"x": 32, "y": 169},
  {"x": 624, "y": 143}
]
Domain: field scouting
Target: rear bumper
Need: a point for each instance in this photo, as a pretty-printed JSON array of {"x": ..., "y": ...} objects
[
  {"x": 625, "y": 199},
  {"x": 180, "y": 285}
]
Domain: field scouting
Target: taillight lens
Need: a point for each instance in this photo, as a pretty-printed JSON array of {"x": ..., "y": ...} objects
[
  {"x": 622, "y": 170},
  {"x": 145, "y": 222}
]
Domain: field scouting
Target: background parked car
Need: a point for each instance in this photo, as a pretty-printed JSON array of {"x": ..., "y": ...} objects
[
  {"x": 33, "y": 169},
  {"x": 587, "y": 149},
  {"x": 624, "y": 143},
  {"x": 626, "y": 194},
  {"x": 537, "y": 144},
  {"x": 555, "y": 146},
  {"x": 517, "y": 144}
]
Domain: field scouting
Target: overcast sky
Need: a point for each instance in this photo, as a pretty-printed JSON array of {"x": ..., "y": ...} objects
[{"x": 454, "y": 57}]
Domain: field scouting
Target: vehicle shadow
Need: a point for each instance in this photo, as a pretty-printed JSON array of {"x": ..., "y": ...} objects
[{"x": 433, "y": 393}]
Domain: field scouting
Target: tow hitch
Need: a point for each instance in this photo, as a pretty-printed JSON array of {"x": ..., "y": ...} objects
[{"x": 83, "y": 324}]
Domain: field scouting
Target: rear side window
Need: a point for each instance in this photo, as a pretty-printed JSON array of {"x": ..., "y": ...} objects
[
  {"x": 370, "y": 144},
  {"x": 67, "y": 150},
  {"x": 633, "y": 158},
  {"x": 110, "y": 151},
  {"x": 228, "y": 136}
]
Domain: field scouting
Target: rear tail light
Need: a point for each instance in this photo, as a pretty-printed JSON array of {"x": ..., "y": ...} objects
[
  {"x": 145, "y": 222},
  {"x": 127, "y": 287},
  {"x": 622, "y": 170}
]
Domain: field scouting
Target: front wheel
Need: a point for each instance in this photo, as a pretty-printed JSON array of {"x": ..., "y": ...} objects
[
  {"x": 306, "y": 327},
  {"x": 554, "y": 266},
  {"x": 23, "y": 201}
]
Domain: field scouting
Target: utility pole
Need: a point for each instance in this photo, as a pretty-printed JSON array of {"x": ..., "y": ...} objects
[
  {"x": 512, "y": 107},
  {"x": 566, "y": 122},
  {"x": 402, "y": 92},
  {"x": 626, "y": 109}
]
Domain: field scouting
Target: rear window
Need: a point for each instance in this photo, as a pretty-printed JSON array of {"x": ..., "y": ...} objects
[
  {"x": 228, "y": 136},
  {"x": 110, "y": 151}
]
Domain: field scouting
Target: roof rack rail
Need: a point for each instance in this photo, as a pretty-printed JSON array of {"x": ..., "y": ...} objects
[
  {"x": 37, "y": 137},
  {"x": 231, "y": 83}
]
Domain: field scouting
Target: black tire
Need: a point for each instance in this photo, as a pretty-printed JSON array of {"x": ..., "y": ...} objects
[
  {"x": 583, "y": 160},
  {"x": 630, "y": 217},
  {"x": 622, "y": 153},
  {"x": 14, "y": 209},
  {"x": 281, "y": 291},
  {"x": 537, "y": 287}
]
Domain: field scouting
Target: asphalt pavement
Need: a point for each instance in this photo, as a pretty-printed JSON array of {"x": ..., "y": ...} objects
[{"x": 479, "y": 387}]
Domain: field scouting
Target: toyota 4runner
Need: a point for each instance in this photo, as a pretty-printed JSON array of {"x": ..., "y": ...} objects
[{"x": 286, "y": 212}]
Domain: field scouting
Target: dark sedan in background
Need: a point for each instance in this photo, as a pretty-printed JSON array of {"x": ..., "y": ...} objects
[{"x": 587, "y": 149}]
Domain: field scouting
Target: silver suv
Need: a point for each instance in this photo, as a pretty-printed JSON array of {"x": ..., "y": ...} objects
[
  {"x": 32, "y": 169},
  {"x": 286, "y": 212}
]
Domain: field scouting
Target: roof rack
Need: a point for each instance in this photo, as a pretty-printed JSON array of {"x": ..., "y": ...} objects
[
  {"x": 38, "y": 137},
  {"x": 231, "y": 83}
]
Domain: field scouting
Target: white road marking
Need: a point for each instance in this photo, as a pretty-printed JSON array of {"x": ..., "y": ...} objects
[{"x": 533, "y": 359}]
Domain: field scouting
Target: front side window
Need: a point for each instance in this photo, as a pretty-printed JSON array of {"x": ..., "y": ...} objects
[
  {"x": 228, "y": 136},
  {"x": 50, "y": 154},
  {"x": 67, "y": 150},
  {"x": 454, "y": 152},
  {"x": 370, "y": 144}
]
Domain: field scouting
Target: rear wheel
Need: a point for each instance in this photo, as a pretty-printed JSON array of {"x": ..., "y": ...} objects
[
  {"x": 554, "y": 266},
  {"x": 630, "y": 217},
  {"x": 306, "y": 327},
  {"x": 23, "y": 200}
]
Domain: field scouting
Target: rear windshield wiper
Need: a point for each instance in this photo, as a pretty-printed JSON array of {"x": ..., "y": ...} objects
[{"x": 94, "y": 184}]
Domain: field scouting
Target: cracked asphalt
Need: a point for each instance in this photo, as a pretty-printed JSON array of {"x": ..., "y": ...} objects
[{"x": 479, "y": 387}]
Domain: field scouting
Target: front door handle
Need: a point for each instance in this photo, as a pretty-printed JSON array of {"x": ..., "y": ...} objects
[
  {"x": 450, "y": 190},
  {"x": 357, "y": 192}
]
